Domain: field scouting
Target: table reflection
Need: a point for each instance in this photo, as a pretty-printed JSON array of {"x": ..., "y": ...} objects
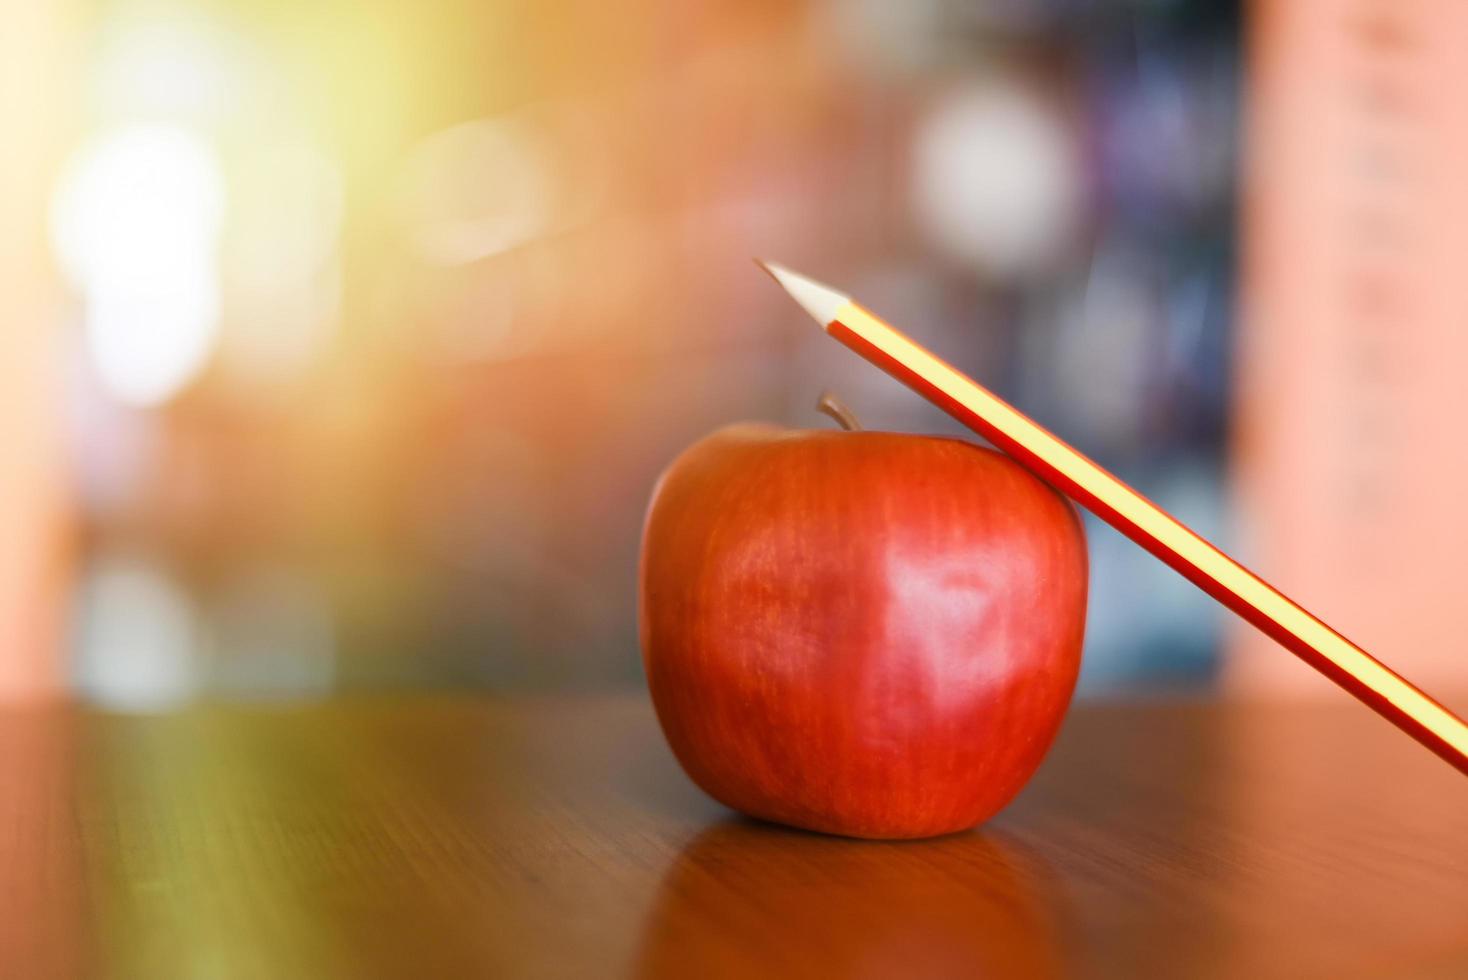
[{"x": 751, "y": 899}]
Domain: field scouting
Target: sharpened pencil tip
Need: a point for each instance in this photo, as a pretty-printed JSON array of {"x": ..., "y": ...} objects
[{"x": 819, "y": 300}]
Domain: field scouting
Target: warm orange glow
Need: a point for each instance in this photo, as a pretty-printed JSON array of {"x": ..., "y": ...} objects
[
  {"x": 34, "y": 521},
  {"x": 1151, "y": 522}
]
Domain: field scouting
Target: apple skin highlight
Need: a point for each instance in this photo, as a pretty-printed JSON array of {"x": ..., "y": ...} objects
[{"x": 860, "y": 633}]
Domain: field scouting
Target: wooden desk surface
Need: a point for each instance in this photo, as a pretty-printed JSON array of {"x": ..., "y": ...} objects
[{"x": 556, "y": 838}]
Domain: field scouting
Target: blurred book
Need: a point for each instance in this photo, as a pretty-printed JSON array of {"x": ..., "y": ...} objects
[{"x": 1349, "y": 461}]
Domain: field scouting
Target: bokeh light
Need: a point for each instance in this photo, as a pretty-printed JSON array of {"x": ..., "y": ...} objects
[
  {"x": 281, "y": 262},
  {"x": 177, "y": 66},
  {"x": 995, "y": 178},
  {"x": 136, "y": 225},
  {"x": 271, "y": 637},
  {"x": 455, "y": 214},
  {"x": 137, "y": 638}
]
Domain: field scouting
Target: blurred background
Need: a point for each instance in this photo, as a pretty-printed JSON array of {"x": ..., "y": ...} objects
[{"x": 341, "y": 343}]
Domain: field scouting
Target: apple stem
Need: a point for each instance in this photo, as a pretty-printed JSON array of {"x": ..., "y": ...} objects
[{"x": 838, "y": 410}]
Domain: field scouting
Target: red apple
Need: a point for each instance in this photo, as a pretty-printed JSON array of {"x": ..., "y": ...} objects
[{"x": 860, "y": 633}]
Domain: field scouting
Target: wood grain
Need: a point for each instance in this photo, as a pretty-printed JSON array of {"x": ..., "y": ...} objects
[{"x": 556, "y": 838}]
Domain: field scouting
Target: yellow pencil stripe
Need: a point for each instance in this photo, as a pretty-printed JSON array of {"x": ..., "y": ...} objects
[{"x": 1159, "y": 525}]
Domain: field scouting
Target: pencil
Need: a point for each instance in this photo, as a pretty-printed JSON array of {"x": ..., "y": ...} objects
[{"x": 1351, "y": 667}]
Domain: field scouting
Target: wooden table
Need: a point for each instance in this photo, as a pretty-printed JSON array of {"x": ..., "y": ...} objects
[{"x": 557, "y": 838}]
